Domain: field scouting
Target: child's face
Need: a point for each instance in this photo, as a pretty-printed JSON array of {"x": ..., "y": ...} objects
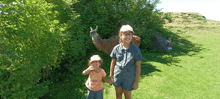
[
  {"x": 95, "y": 64},
  {"x": 169, "y": 39},
  {"x": 126, "y": 37}
]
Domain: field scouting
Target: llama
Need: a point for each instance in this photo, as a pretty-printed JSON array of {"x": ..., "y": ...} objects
[{"x": 107, "y": 45}]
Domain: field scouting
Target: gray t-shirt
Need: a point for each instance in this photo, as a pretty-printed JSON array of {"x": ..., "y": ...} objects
[{"x": 125, "y": 60}]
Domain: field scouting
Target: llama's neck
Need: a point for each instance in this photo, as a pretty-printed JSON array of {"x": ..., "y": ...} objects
[
  {"x": 95, "y": 37},
  {"x": 97, "y": 40}
]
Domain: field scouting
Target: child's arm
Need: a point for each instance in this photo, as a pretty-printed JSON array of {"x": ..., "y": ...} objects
[
  {"x": 88, "y": 70},
  {"x": 113, "y": 62},
  {"x": 112, "y": 67},
  {"x": 106, "y": 79},
  {"x": 138, "y": 70}
]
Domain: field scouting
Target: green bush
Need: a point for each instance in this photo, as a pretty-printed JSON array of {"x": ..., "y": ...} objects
[
  {"x": 76, "y": 44},
  {"x": 33, "y": 38}
]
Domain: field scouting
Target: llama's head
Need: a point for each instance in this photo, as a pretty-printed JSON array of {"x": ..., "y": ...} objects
[{"x": 93, "y": 32}]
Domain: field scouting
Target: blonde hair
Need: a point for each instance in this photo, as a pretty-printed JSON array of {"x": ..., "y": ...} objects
[{"x": 119, "y": 35}]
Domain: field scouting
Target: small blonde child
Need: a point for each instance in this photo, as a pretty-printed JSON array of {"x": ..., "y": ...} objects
[{"x": 94, "y": 81}]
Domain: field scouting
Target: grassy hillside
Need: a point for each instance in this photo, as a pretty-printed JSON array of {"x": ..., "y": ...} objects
[
  {"x": 185, "y": 18},
  {"x": 189, "y": 71}
]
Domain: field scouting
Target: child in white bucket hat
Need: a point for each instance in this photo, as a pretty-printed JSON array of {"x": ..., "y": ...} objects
[
  {"x": 96, "y": 74},
  {"x": 125, "y": 64}
]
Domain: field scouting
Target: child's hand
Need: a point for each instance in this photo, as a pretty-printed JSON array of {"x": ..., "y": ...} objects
[
  {"x": 135, "y": 85},
  {"x": 91, "y": 68},
  {"x": 88, "y": 70},
  {"x": 111, "y": 81}
]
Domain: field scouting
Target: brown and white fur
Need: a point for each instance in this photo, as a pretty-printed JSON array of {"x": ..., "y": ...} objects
[{"x": 107, "y": 45}]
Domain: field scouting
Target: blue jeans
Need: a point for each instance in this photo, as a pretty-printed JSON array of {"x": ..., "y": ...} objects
[{"x": 95, "y": 94}]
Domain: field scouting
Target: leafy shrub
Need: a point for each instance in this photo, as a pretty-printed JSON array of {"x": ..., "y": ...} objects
[{"x": 32, "y": 38}]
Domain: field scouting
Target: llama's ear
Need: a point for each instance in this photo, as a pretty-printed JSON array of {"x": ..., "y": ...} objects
[
  {"x": 96, "y": 28},
  {"x": 91, "y": 28}
]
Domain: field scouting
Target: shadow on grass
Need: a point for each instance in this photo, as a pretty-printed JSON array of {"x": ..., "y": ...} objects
[{"x": 147, "y": 68}]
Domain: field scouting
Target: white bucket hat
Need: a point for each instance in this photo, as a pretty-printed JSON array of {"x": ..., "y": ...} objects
[
  {"x": 126, "y": 28},
  {"x": 95, "y": 58}
]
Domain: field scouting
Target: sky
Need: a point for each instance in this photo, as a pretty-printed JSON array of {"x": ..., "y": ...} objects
[{"x": 208, "y": 8}]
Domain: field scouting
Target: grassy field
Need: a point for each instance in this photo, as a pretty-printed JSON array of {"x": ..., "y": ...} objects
[{"x": 189, "y": 71}]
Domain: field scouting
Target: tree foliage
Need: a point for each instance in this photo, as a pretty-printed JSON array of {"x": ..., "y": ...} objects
[{"x": 32, "y": 37}]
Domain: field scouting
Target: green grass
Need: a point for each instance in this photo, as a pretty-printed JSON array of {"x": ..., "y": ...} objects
[{"x": 190, "y": 71}]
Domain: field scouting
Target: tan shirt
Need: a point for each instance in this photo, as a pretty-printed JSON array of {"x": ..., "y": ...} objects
[{"x": 94, "y": 81}]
